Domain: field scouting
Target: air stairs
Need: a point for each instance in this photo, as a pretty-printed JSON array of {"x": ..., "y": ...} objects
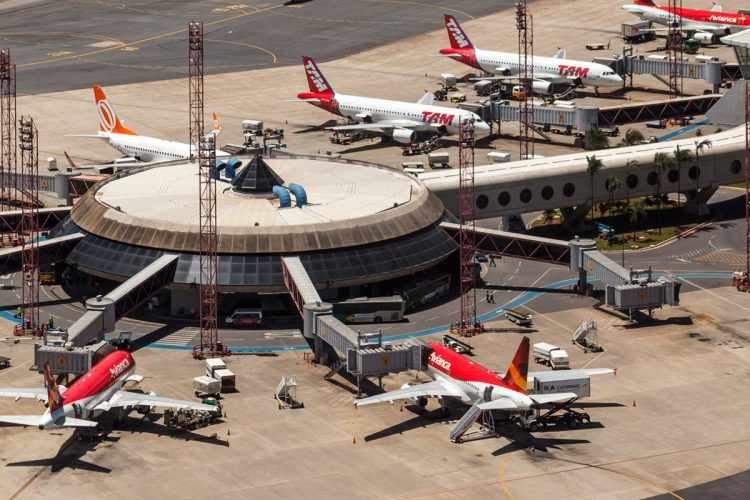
[{"x": 458, "y": 434}]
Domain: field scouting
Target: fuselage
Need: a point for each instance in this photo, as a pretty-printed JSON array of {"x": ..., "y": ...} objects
[
  {"x": 151, "y": 149},
  {"x": 544, "y": 68},
  {"x": 691, "y": 19},
  {"x": 368, "y": 109},
  {"x": 97, "y": 385},
  {"x": 476, "y": 381}
]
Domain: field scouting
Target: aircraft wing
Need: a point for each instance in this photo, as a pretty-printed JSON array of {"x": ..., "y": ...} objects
[
  {"x": 437, "y": 388},
  {"x": 126, "y": 399},
  {"x": 558, "y": 397},
  {"x": 40, "y": 394},
  {"x": 498, "y": 404},
  {"x": 381, "y": 126},
  {"x": 579, "y": 372},
  {"x": 35, "y": 420}
]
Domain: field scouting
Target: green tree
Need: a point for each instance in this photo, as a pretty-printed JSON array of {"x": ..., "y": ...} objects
[
  {"x": 663, "y": 163},
  {"x": 681, "y": 157},
  {"x": 612, "y": 184},
  {"x": 635, "y": 213},
  {"x": 594, "y": 164},
  {"x": 699, "y": 147},
  {"x": 549, "y": 215},
  {"x": 632, "y": 137},
  {"x": 595, "y": 139}
]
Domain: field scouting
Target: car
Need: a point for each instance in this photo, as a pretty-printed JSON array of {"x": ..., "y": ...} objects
[
  {"x": 245, "y": 317},
  {"x": 481, "y": 258}
]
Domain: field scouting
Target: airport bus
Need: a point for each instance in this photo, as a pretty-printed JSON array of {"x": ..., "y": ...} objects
[
  {"x": 370, "y": 309},
  {"x": 426, "y": 291}
]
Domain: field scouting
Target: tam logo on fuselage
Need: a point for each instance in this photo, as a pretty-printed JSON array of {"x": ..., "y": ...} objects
[
  {"x": 120, "y": 367},
  {"x": 458, "y": 34},
  {"x": 441, "y": 118},
  {"x": 440, "y": 362},
  {"x": 315, "y": 77},
  {"x": 576, "y": 71}
]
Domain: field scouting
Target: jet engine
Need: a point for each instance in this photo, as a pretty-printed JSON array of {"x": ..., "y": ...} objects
[
  {"x": 540, "y": 87},
  {"x": 404, "y": 136},
  {"x": 704, "y": 38}
]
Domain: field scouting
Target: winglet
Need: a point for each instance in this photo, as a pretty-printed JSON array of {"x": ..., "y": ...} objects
[
  {"x": 54, "y": 399},
  {"x": 459, "y": 39},
  {"x": 108, "y": 119},
  {"x": 517, "y": 374}
]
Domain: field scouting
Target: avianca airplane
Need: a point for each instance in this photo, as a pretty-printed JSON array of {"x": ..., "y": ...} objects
[
  {"x": 546, "y": 70},
  {"x": 396, "y": 119},
  {"x": 707, "y": 24},
  {"x": 97, "y": 391},
  {"x": 456, "y": 376},
  {"x": 137, "y": 148}
]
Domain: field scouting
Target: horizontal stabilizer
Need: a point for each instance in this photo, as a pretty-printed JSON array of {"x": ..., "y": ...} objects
[
  {"x": 499, "y": 404},
  {"x": 40, "y": 394},
  {"x": 78, "y": 422},
  {"x": 90, "y": 136},
  {"x": 304, "y": 100},
  {"x": 558, "y": 397},
  {"x": 29, "y": 420}
]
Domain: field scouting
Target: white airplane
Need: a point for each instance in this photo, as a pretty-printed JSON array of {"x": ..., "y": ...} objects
[
  {"x": 546, "y": 70},
  {"x": 705, "y": 25},
  {"x": 137, "y": 148},
  {"x": 97, "y": 391},
  {"x": 396, "y": 119}
]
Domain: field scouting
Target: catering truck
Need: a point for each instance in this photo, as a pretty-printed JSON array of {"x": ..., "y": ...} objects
[{"x": 551, "y": 355}]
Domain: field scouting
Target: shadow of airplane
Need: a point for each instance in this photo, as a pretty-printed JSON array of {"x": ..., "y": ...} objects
[{"x": 316, "y": 128}]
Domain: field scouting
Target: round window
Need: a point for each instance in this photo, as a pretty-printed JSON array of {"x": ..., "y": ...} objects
[
  {"x": 525, "y": 196},
  {"x": 482, "y": 201},
  {"x": 503, "y": 198},
  {"x": 694, "y": 172},
  {"x": 547, "y": 192},
  {"x": 569, "y": 189},
  {"x": 632, "y": 181},
  {"x": 652, "y": 179}
]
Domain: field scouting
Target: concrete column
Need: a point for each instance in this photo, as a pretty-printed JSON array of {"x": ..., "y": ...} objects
[{"x": 697, "y": 200}]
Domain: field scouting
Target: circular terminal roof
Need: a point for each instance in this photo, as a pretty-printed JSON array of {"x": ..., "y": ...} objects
[{"x": 349, "y": 204}]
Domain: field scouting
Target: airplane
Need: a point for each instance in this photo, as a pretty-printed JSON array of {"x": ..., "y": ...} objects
[
  {"x": 137, "y": 148},
  {"x": 395, "y": 119},
  {"x": 546, "y": 70},
  {"x": 457, "y": 377},
  {"x": 706, "y": 25},
  {"x": 95, "y": 392}
]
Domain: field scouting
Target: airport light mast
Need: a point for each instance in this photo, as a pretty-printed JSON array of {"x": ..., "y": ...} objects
[
  {"x": 675, "y": 48},
  {"x": 28, "y": 187},
  {"x": 525, "y": 26},
  {"x": 8, "y": 166},
  {"x": 468, "y": 324},
  {"x": 205, "y": 147}
]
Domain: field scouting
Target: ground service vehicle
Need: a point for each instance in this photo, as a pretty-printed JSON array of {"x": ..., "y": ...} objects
[
  {"x": 518, "y": 317},
  {"x": 370, "y": 310},
  {"x": 245, "y": 317},
  {"x": 426, "y": 291},
  {"x": 551, "y": 355}
]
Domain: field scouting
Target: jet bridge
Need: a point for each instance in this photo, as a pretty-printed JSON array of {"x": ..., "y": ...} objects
[
  {"x": 51, "y": 250},
  {"x": 338, "y": 345}
]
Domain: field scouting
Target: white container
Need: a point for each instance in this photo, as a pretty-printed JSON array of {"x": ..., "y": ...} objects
[
  {"x": 499, "y": 156},
  {"x": 52, "y": 164},
  {"x": 552, "y": 355},
  {"x": 226, "y": 379},
  {"x": 448, "y": 79},
  {"x": 213, "y": 364},
  {"x": 438, "y": 159},
  {"x": 206, "y": 385},
  {"x": 560, "y": 381},
  {"x": 252, "y": 125}
]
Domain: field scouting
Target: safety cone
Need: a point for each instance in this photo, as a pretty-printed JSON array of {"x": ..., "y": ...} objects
[
  {"x": 634, "y": 403},
  {"x": 354, "y": 439},
  {"x": 229, "y": 432}
]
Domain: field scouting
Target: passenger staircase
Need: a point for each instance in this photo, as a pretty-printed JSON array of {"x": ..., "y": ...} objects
[{"x": 463, "y": 425}]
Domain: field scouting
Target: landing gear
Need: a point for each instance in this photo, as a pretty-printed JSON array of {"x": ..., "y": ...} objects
[
  {"x": 422, "y": 402},
  {"x": 558, "y": 415}
]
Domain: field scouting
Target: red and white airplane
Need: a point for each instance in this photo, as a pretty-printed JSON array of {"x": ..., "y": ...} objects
[
  {"x": 456, "y": 376},
  {"x": 97, "y": 391},
  {"x": 706, "y": 25},
  {"x": 546, "y": 70},
  {"x": 396, "y": 119}
]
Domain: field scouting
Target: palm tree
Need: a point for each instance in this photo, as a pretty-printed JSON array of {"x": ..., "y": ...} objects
[
  {"x": 699, "y": 147},
  {"x": 612, "y": 184},
  {"x": 632, "y": 137},
  {"x": 662, "y": 162},
  {"x": 549, "y": 215},
  {"x": 681, "y": 156},
  {"x": 594, "y": 164},
  {"x": 636, "y": 212},
  {"x": 595, "y": 139}
]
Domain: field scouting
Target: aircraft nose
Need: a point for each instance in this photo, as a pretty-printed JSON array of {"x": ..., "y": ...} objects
[{"x": 482, "y": 127}]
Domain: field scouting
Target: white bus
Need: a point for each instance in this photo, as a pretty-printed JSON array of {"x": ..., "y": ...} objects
[{"x": 370, "y": 310}]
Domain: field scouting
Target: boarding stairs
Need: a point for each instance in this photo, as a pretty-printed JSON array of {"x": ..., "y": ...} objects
[{"x": 465, "y": 422}]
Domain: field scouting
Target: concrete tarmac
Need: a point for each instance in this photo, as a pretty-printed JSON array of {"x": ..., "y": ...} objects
[{"x": 70, "y": 45}]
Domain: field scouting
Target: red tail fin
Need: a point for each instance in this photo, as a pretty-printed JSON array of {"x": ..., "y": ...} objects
[
  {"x": 315, "y": 79},
  {"x": 518, "y": 370},
  {"x": 459, "y": 39},
  {"x": 645, "y": 3},
  {"x": 108, "y": 120},
  {"x": 54, "y": 399}
]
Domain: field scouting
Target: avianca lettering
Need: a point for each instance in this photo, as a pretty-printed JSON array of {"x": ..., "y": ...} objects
[
  {"x": 722, "y": 19},
  {"x": 438, "y": 360},
  {"x": 576, "y": 71},
  {"x": 315, "y": 77},
  {"x": 441, "y": 118},
  {"x": 117, "y": 370},
  {"x": 458, "y": 35}
]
